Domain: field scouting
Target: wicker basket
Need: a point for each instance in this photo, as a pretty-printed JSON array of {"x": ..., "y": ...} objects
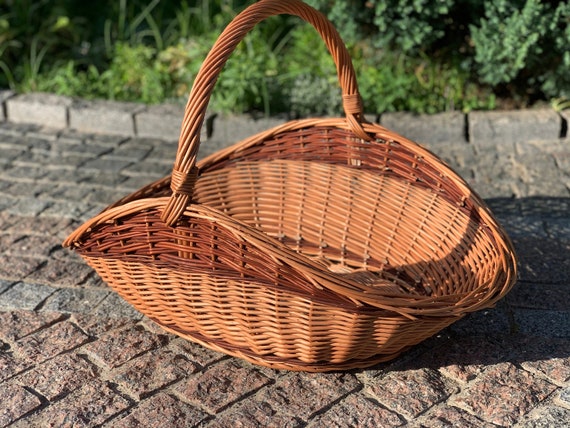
[{"x": 318, "y": 245}]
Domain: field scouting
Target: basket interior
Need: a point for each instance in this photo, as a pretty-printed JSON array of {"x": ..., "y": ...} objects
[{"x": 359, "y": 223}]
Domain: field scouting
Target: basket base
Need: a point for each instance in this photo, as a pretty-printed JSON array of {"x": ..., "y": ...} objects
[{"x": 275, "y": 362}]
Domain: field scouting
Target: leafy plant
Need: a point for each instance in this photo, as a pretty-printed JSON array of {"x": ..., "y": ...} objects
[
  {"x": 413, "y": 55},
  {"x": 525, "y": 47},
  {"x": 506, "y": 38}
]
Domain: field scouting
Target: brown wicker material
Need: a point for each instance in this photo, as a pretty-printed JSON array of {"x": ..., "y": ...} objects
[{"x": 321, "y": 244}]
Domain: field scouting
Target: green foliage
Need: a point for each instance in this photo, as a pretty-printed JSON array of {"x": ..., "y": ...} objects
[
  {"x": 555, "y": 78},
  {"x": 410, "y": 24},
  {"x": 402, "y": 83},
  {"x": 524, "y": 43},
  {"x": 350, "y": 17},
  {"x": 245, "y": 81},
  {"x": 417, "y": 55},
  {"x": 506, "y": 38}
]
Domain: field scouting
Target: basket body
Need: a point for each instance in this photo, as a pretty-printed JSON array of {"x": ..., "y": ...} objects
[
  {"x": 281, "y": 219},
  {"x": 321, "y": 244}
]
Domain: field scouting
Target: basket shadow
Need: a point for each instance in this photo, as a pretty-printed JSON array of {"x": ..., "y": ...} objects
[{"x": 531, "y": 325}]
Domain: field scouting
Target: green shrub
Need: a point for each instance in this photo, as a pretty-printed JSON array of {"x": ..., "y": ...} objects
[
  {"x": 524, "y": 44},
  {"x": 507, "y": 38}
]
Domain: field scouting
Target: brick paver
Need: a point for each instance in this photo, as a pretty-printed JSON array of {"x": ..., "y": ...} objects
[{"x": 73, "y": 353}]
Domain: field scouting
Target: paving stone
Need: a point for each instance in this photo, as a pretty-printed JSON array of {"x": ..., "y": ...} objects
[
  {"x": 36, "y": 245},
  {"x": 521, "y": 227},
  {"x": 6, "y": 220},
  {"x": 135, "y": 182},
  {"x": 543, "y": 261},
  {"x": 230, "y": 129},
  {"x": 160, "y": 121},
  {"x": 109, "y": 140},
  {"x": 54, "y": 340},
  {"x": 10, "y": 364},
  {"x": 152, "y": 371},
  {"x": 7, "y": 202},
  {"x": 81, "y": 149},
  {"x": 564, "y": 397},
  {"x": 149, "y": 169},
  {"x": 494, "y": 321},
  {"x": 96, "y": 326},
  {"x": 106, "y": 117},
  {"x": 55, "y": 161},
  {"x": 451, "y": 417},
  {"x": 255, "y": 413},
  {"x": 539, "y": 172},
  {"x": 431, "y": 130},
  {"x": 34, "y": 225},
  {"x": 550, "y": 357},
  {"x": 40, "y": 108},
  {"x": 91, "y": 405},
  {"x": 104, "y": 195},
  {"x": 543, "y": 323},
  {"x": 220, "y": 385},
  {"x": 544, "y": 207},
  {"x": 73, "y": 300},
  {"x": 61, "y": 273},
  {"x": 356, "y": 410},
  {"x": 25, "y": 189},
  {"x": 5, "y": 185},
  {"x": 65, "y": 192},
  {"x": 531, "y": 295},
  {"x": 305, "y": 395},
  {"x": 107, "y": 164},
  {"x": 94, "y": 178},
  {"x": 558, "y": 229},
  {"x": 4, "y": 285},
  {"x": 119, "y": 346},
  {"x": 133, "y": 149},
  {"x": 19, "y": 323},
  {"x": 195, "y": 352},
  {"x": 504, "y": 394},
  {"x": 511, "y": 126},
  {"x": 17, "y": 129},
  {"x": 165, "y": 153},
  {"x": 113, "y": 306},
  {"x": 23, "y": 295},
  {"x": 463, "y": 358},
  {"x": 29, "y": 206},
  {"x": 16, "y": 402},
  {"x": 11, "y": 153},
  {"x": 45, "y": 132},
  {"x": 59, "y": 376},
  {"x": 4, "y": 95},
  {"x": 547, "y": 417},
  {"x": 562, "y": 160},
  {"x": 411, "y": 392},
  {"x": 161, "y": 410},
  {"x": 72, "y": 211}
]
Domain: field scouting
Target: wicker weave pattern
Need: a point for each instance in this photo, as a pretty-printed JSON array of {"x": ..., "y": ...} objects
[{"x": 321, "y": 244}]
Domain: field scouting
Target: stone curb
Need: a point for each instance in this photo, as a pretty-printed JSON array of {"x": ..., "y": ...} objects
[{"x": 163, "y": 121}]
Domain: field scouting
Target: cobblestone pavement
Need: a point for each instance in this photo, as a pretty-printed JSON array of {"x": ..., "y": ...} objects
[{"x": 73, "y": 354}]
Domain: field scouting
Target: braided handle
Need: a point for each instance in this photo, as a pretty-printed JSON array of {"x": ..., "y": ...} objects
[{"x": 185, "y": 173}]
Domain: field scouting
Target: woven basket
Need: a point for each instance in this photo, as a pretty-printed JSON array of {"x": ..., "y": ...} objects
[{"x": 321, "y": 244}]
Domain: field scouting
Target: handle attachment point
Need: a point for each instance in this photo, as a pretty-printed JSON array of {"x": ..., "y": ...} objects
[{"x": 182, "y": 182}]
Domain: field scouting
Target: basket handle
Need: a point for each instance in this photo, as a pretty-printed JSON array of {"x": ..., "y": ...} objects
[{"x": 185, "y": 172}]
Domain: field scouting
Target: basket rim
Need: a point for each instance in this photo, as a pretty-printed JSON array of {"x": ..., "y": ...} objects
[{"x": 408, "y": 305}]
